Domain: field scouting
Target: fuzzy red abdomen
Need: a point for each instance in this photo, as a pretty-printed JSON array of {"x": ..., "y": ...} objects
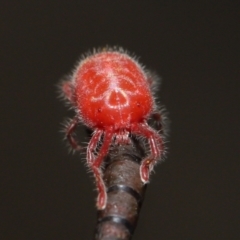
[{"x": 112, "y": 90}]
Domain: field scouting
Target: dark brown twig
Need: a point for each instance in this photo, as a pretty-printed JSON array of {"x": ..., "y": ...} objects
[{"x": 125, "y": 193}]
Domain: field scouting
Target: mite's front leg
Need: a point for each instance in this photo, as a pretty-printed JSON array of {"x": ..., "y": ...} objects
[
  {"x": 95, "y": 163},
  {"x": 156, "y": 149}
]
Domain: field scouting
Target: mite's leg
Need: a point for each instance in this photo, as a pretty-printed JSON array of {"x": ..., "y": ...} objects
[
  {"x": 70, "y": 128},
  {"x": 94, "y": 163},
  {"x": 156, "y": 147},
  {"x": 157, "y": 118},
  {"x": 67, "y": 91}
]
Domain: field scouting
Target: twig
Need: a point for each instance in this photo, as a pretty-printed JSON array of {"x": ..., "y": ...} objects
[{"x": 125, "y": 193}]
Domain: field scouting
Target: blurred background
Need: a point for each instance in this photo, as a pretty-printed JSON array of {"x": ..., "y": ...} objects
[{"x": 48, "y": 193}]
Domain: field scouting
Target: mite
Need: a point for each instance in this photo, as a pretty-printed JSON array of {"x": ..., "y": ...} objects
[{"x": 111, "y": 94}]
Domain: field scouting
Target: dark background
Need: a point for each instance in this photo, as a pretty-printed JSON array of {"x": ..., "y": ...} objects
[{"x": 194, "y": 194}]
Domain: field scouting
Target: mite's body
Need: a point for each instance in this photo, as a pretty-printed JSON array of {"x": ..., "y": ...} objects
[{"x": 111, "y": 94}]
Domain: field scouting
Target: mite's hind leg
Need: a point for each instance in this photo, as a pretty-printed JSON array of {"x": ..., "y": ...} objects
[
  {"x": 66, "y": 88},
  {"x": 158, "y": 121}
]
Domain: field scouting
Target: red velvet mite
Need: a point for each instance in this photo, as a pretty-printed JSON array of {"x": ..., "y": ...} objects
[{"x": 111, "y": 94}]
